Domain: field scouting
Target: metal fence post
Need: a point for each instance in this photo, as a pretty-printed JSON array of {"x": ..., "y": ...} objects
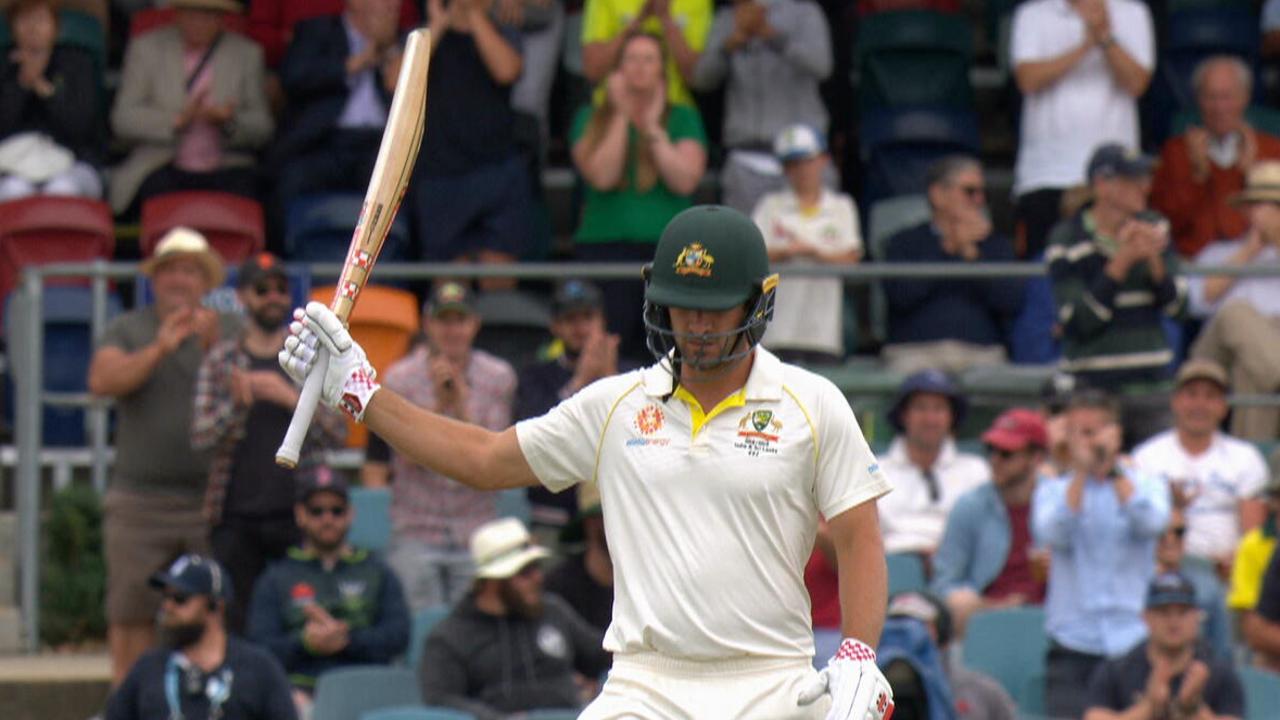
[
  {"x": 97, "y": 410},
  {"x": 28, "y": 388}
]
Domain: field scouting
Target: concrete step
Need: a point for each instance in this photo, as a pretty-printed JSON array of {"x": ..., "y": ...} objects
[{"x": 53, "y": 686}]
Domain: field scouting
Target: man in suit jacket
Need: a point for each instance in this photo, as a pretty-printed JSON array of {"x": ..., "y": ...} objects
[
  {"x": 338, "y": 74},
  {"x": 191, "y": 106}
]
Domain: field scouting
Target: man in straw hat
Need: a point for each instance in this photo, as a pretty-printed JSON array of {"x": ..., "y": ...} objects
[
  {"x": 191, "y": 107},
  {"x": 508, "y": 647},
  {"x": 1243, "y": 332},
  {"x": 147, "y": 361}
]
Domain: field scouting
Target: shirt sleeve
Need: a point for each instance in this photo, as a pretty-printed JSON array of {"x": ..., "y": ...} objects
[
  {"x": 851, "y": 238},
  {"x": 600, "y": 21},
  {"x": 685, "y": 123},
  {"x": 847, "y": 471},
  {"x": 1137, "y": 35},
  {"x": 123, "y": 703},
  {"x": 1246, "y": 573},
  {"x": 1024, "y": 37},
  {"x": 1104, "y": 691},
  {"x": 1253, "y": 474},
  {"x": 561, "y": 446},
  {"x": 580, "y": 120},
  {"x": 1052, "y": 522},
  {"x": 1268, "y": 606},
  {"x": 1225, "y": 694},
  {"x": 698, "y": 24},
  {"x": 116, "y": 335},
  {"x": 277, "y": 694}
]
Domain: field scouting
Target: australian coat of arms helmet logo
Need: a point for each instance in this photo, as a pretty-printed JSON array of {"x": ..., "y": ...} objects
[{"x": 694, "y": 260}]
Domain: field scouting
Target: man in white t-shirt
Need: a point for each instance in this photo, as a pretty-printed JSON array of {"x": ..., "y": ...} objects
[
  {"x": 1216, "y": 477},
  {"x": 928, "y": 474},
  {"x": 1081, "y": 66},
  {"x": 806, "y": 225},
  {"x": 713, "y": 466},
  {"x": 1243, "y": 330}
]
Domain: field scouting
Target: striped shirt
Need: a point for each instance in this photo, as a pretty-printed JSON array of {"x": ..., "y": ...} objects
[{"x": 1112, "y": 333}]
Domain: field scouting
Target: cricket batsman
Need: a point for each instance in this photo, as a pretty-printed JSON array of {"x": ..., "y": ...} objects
[{"x": 713, "y": 465}]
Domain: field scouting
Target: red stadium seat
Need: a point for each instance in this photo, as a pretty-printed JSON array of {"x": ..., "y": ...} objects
[
  {"x": 148, "y": 19},
  {"x": 231, "y": 223},
  {"x": 46, "y": 229}
]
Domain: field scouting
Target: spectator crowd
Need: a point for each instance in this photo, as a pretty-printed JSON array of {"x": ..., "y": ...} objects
[{"x": 1137, "y": 506}]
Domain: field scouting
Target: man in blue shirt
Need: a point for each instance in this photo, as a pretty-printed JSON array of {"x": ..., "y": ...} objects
[{"x": 1101, "y": 521}]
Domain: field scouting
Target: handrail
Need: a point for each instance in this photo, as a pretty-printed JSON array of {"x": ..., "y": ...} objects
[{"x": 28, "y": 331}]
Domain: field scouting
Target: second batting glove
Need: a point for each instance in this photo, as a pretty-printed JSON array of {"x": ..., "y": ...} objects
[
  {"x": 859, "y": 691},
  {"x": 349, "y": 383}
]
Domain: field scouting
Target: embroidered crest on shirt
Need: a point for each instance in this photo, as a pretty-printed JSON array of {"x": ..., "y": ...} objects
[
  {"x": 552, "y": 642},
  {"x": 758, "y": 433},
  {"x": 694, "y": 260}
]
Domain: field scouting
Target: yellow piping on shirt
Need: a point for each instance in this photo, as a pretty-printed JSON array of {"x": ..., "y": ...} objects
[
  {"x": 595, "y": 472},
  {"x": 808, "y": 419}
]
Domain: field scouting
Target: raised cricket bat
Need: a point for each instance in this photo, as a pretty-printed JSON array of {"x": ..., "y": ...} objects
[{"x": 396, "y": 155}]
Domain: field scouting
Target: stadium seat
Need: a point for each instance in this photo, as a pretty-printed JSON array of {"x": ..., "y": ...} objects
[
  {"x": 1261, "y": 693},
  {"x": 553, "y": 714},
  {"x": 906, "y": 572},
  {"x": 1008, "y": 644},
  {"x": 897, "y": 146},
  {"x": 514, "y": 502},
  {"x": 423, "y": 622},
  {"x": 514, "y": 325},
  {"x": 347, "y": 693},
  {"x": 371, "y": 519},
  {"x": 318, "y": 228},
  {"x": 892, "y": 215},
  {"x": 914, "y": 57},
  {"x": 153, "y": 18},
  {"x": 68, "y": 345},
  {"x": 571, "y": 51},
  {"x": 384, "y": 322},
  {"x": 232, "y": 224},
  {"x": 417, "y": 712},
  {"x": 46, "y": 229}
]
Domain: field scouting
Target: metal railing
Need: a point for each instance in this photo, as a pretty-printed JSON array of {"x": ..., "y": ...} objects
[{"x": 27, "y": 344}]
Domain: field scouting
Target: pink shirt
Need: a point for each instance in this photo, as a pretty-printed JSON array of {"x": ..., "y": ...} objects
[{"x": 200, "y": 143}]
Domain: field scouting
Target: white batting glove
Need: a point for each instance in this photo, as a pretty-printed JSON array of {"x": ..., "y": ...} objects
[
  {"x": 858, "y": 689},
  {"x": 349, "y": 383}
]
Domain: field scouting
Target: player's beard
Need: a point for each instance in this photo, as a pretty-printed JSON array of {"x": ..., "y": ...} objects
[{"x": 517, "y": 604}]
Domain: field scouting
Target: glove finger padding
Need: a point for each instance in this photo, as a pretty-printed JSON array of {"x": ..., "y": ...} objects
[
  {"x": 859, "y": 691},
  {"x": 321, "y": 320},
  {"x": 814, "y": 690}
]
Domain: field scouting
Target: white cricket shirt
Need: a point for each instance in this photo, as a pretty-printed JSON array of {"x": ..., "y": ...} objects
[
  {"x": 709, "y": 530},
  {"x": 1231, "y": 470}
]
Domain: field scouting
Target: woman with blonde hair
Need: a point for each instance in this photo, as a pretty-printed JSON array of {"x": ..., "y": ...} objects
[{"x": 641, "y": 158}]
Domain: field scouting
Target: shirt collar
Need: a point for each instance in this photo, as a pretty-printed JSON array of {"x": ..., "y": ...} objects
[
  {"x": 898, "y": 452},
  {"x": 763, "y": 383}
]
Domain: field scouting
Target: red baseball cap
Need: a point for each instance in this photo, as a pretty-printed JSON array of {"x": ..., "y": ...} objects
[{"x": 1017, "y": 429}]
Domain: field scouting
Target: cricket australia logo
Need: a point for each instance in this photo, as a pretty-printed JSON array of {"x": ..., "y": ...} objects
[
  {"x": 758, "y": 433},
  {"x": 694, "y": 260}
]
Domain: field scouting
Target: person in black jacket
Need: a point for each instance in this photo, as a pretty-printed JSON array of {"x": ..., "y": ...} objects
[
  {"x": 49, "y": 104},
  {"x": 945, "y": 323},
  {"x": 508, "y": 647}
]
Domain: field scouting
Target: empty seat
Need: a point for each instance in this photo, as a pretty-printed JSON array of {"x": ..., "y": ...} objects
[
  {"x": 906, "y": 572},
  {"x": 423, "y": 622},
  {"x": 1008, "y": 644},
  {"x": 318, "y": 228},
  {"x": 347, "y": 693},
  {"x": 417, "y": 712},
  {"x": 232, "y": 224},
  {"x": 1261, "y": 693},
  {"x": 371, "y": 519},
  {"x": 898, "y": 145},
  {"x": 384, "y": 322},
  {"x": 46, "y": 229},
  {"x": 68, "y": 346},
  {"x": 914, "y": 57}
]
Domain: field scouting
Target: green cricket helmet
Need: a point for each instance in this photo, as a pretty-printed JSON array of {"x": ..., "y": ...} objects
[{"x": 709, "y": 257}]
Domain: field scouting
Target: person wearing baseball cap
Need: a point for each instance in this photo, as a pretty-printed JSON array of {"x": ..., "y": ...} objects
[
  {"x": 243, "y": 404},
  {"x": 1214, "y": 476},
  {"x": 521, "y": 647},
  {"x": 928, "y": 472},
  {"x": 327, "y": 604},
  {"x": 1114, "y": 281},
  {"x": 987, "y": 557},
  {"x": 199, "y": 669},
  {"x": 1242, "y": 331},
  {"x": 148, "y": 361},
  {"x": 804, "y": 224},
  {"x": 1170, "y": 674}
]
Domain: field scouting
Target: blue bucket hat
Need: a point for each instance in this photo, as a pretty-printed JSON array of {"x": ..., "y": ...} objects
[{"x": 929, "y": 381}]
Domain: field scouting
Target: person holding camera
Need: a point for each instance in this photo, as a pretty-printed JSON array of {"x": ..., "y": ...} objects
[
  {"x": 1101, "y": 521},
  {"x": 200, "y": 671}
]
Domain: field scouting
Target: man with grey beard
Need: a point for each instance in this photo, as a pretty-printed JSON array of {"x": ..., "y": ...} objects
[
  {"x": 200, "y": 671},
  {"x": 507, "y": 647}
]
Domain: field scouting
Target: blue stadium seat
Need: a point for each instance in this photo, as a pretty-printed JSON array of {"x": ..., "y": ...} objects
[
  {"x": 1009, "y": 644},
  {"x": 906, "y": 572},
  {"x": 371, "y": 524},
  {"x": 553, "y": 714},
  {"x": 68, "y": 345},
  {"x": 1261, "y": 693},
  {"x": 897, "y": 146},
  {"x": 318, "y": 228},
  {"x": 914, "y": 57},
  {"x": 350, "y": 692},
  {"x": 423, "y": 622},
  {"x": 417, "y": 712}
]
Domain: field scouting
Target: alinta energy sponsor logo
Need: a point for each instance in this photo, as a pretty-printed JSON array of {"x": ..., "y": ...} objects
[{"x": 649, "y": 420}]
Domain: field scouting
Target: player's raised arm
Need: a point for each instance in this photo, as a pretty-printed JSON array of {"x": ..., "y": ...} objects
[{"x": 470, "y": 454}]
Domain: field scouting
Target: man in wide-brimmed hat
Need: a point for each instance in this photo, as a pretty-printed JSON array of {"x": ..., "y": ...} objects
[
  {"x": 1243, "y": 332},
  {"x": 147, "y": 361}
]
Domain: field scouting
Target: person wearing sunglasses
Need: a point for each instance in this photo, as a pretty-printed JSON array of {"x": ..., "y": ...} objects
[
  {"x": 242, "y": 407},
  {"x": 943, "y": 322},
  {"x": 327, "y": 604},
  {"x": 986, "y": 558},
  {"x": 200, "y": 670}
]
